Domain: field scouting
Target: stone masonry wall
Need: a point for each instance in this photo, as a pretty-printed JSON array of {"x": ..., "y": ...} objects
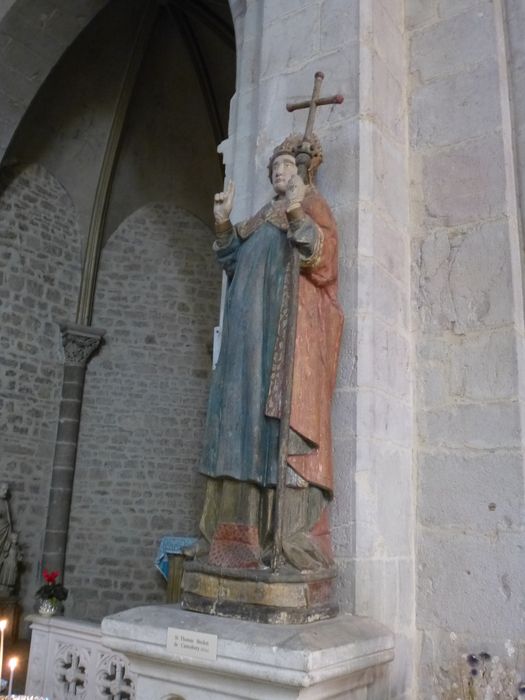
[
  {"x": 468, "y": 296},
  {"x": 39, "y": 281},
  {"x": 144, "y": 408}
]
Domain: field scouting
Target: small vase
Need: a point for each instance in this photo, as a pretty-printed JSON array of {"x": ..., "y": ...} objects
[{"x": 48, "y": 607}]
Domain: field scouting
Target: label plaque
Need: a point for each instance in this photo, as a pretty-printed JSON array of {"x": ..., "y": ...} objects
[{"x": 198, "y": 645}]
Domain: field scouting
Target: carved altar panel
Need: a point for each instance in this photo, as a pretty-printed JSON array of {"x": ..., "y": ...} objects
[{"x": 69, "y": 662}]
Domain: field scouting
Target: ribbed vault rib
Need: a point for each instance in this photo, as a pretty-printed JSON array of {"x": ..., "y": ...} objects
[
  {"x": 107, "y": 169},
  {"x": 202, "y": 73},
  {"x": 220, "y": 28}
]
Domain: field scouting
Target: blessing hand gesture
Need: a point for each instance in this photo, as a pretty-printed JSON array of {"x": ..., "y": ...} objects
[{"x": 223, "y": 203}]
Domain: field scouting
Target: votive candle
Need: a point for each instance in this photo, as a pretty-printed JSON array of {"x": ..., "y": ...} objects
[
  {"x": 3, "y": 625},
  {"x": 12, "y": 665}
]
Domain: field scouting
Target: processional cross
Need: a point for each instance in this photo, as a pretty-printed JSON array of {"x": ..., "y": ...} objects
[
  {"x": 304, "y": 155},
  {"x": 302, "y": 160}
]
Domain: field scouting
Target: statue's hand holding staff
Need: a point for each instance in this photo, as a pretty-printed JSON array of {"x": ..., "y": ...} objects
[
  {"x": 223, "y": 203},
  {"x": 295, "y": 191}
]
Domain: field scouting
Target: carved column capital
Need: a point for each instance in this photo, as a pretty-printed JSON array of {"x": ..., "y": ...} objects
[{"x": 80, "y": 342}]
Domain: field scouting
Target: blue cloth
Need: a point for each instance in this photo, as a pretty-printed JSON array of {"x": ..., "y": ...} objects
[
  {"x": 241, "y": 442},
  {"x": 171, "y": 545}
]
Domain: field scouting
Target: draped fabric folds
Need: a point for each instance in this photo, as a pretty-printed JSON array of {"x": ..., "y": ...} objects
[{"x": 242, "y": 431}]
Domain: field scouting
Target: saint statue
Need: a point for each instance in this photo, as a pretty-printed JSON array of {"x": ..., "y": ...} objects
[
  {"x": 9, "y": 562},
  {"x": 270, "y": 397},
  {"x": 241, "y": 445}
]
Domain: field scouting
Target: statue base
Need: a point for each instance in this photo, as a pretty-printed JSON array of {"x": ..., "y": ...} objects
[
  {"x": 285, "y": 597},
  {"x": 347, "y": 657}
]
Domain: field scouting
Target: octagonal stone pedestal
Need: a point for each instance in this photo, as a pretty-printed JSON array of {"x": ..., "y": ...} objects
[{"x": 346, "y": 657}]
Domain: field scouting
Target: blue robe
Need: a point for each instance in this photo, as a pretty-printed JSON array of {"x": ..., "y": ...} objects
[{"x": 241, "y": 442}]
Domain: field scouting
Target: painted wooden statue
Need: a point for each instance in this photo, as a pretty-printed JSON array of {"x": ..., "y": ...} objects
[{"x": 268, "y": 452}]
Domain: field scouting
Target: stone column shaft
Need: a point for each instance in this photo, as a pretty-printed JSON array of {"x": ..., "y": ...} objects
[{"x": 80, "y": 343}]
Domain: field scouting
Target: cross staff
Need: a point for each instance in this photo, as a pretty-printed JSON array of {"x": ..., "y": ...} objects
[
  {"x": 304, "y": 155},
  {"x": 303, "y": 161}
]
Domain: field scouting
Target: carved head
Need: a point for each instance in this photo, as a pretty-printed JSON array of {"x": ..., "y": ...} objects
[
  {"x": 291, "y": 146},
  {"x": 283, "y": 167},
  {"x": 4, "y": 489}
]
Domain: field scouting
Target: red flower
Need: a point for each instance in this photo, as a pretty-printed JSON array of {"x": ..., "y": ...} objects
[{"x": 51, "y": 576}]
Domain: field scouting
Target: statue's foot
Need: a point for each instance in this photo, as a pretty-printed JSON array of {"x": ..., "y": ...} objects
[{"x": 199, "y": 549}]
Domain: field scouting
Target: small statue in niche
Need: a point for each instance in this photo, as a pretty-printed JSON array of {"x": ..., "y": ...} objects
[
  {"x": 9, "y": 564},
  {"x": 10, "y": 556},
  {"x": 6, "y": 525},
  {"x": 267, "y": 448}
]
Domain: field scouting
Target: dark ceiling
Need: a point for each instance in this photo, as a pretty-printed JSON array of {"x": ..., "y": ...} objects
[{"x": 196, "y": 19}]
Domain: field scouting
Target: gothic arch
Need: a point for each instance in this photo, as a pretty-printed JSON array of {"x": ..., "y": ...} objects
[{"x": 38, "y": 36}]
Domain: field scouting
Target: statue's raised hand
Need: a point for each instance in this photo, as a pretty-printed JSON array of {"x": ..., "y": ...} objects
[
  {"x": 223, "y": 203},
  {"x": 295, "y": 191}
]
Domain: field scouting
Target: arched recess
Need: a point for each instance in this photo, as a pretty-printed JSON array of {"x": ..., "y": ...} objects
[
  {"x": 39, "y": 281},
  {"x": 144, "y": 406}
]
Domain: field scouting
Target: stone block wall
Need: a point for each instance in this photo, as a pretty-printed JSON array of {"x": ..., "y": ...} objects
[
  {"x": 39, "y": 281},
  {"x": 144, "y": 408},
  {"x": 468, "y": 304}
]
